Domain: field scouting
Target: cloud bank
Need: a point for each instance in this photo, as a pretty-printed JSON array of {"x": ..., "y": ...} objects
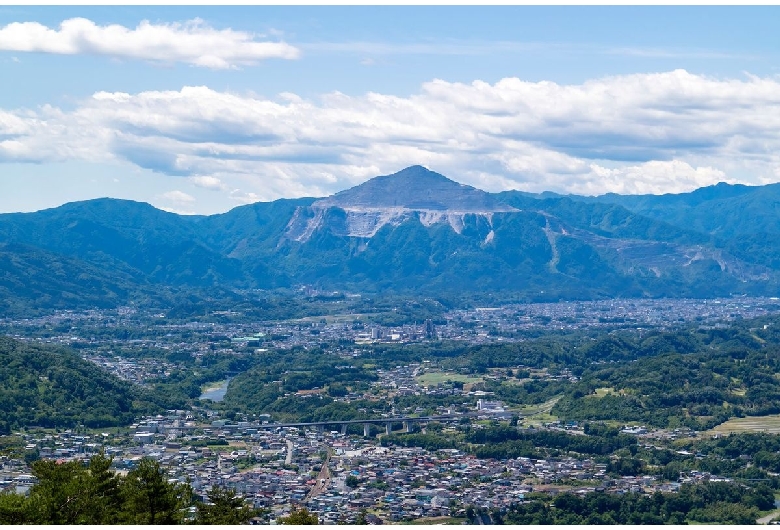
[
  {"x": 641, "y": 133},
  {"x": 192, "y": 42}
]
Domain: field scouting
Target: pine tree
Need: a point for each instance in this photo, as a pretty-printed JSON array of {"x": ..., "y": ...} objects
[
  {"x": 62, "y": 495},
  {"x": 15, "y": 509},
  {"x": 300, "y": 516},
  {"x": 105, "y": 492},
  {"x": 151, "y": 499},
  {"x": 225, "y": 507}
]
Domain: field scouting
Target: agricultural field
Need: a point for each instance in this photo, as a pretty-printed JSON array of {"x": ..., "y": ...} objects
[
  {"x": 767, "y": 424},
  {"x": 436, "y": 378}
]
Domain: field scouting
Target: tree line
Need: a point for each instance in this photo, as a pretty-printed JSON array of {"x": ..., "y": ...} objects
[
  {"x": 710, "y": 502},
  {"x": 91, "y": 493}
]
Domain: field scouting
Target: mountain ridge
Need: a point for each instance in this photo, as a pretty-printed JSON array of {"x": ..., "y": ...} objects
[
  {"x": 414, "y": 188},
  {"x": 386, "y": 234},
  {"x": 414, "y": 192}
]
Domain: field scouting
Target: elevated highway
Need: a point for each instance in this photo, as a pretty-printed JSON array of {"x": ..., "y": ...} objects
[{"x": 406, "y": 421}]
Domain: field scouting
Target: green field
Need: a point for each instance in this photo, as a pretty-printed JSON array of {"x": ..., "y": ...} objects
[
  {"x": 537, "y": 414},
  {"x": 769, "y": 424},
  {"x": 436, "y": 378}
]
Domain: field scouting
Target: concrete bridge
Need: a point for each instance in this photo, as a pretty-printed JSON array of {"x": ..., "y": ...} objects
[{"x": 406, "y": 421}]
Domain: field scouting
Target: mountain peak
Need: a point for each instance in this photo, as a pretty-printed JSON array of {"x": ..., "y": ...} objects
[{"x": 415, "y": 188}]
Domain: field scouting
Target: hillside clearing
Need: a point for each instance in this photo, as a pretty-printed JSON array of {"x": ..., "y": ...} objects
[{"x": 768, "y": 424}]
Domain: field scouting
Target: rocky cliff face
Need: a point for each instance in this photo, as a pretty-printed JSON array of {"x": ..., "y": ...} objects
[{"x": 393, "y": 199}]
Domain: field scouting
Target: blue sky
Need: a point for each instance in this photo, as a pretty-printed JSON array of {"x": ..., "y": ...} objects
[{"x": 201, "y": 109}]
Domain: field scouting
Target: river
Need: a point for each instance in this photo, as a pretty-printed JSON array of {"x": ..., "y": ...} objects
[{"x": 216, "y": 393}]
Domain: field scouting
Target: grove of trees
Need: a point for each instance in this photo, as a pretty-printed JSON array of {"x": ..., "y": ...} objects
[{"x": 76, "y": 493}]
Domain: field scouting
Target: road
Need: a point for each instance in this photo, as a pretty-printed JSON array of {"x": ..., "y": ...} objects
[
  {"x": 767, "y": 518},
  {"x": 290, "y": 448}
]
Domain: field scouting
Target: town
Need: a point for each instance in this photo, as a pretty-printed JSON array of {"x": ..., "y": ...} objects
[
  {"x": 375, "y": 467},
  {"x": 112, "y": 338},
  {"x": 335, "y": 475}
]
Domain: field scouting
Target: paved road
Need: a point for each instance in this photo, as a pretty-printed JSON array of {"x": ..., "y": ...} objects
[{"x": 290, "y": 448}]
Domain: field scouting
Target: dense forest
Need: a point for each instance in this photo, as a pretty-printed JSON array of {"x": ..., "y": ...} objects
[
  {"x": 714, "y": 502},
  {"x": 53, "y": 387},
  {"x": 698, "y": 378}
]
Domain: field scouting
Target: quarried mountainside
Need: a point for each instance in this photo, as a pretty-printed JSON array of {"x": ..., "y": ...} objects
[
  {"x": 414, "y": 193},
  {"x": 415, "y": 231}
]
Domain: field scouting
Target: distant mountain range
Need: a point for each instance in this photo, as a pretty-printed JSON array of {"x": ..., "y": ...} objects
[{"x": 414, "y": 231}]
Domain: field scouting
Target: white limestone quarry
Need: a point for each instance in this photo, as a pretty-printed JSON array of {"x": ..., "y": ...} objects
[
  {"x": 413, "y": 193},
  {"x": 454, "y": 218},
  {"x": 365, "y": 222},
  {"x": 301, "y": 228}
]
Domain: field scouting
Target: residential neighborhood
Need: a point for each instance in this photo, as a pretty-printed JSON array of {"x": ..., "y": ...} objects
[{"x": 333, "y": 475}]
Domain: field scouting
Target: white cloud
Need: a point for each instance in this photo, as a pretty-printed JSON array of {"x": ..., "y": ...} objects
[
  {"x": 208, "y": 182},
  {"x": 175, "y": 210},
  {"x": 13, "y": 124},
  {"x": 654, "y": 177},
  {"x": 192, "y": 42},
  {"x": 641, "y": 133},
  {"x": 244, "y": 197},
  {"x": 178, "y": 197}
]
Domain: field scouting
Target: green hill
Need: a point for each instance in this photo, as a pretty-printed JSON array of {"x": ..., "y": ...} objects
[{"x": 53, "y": 387}]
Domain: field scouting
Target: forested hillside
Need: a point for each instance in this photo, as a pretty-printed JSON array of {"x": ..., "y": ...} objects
[
  {"x": 53, "y": 387},
  {"x": 698, "y": 379}
]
